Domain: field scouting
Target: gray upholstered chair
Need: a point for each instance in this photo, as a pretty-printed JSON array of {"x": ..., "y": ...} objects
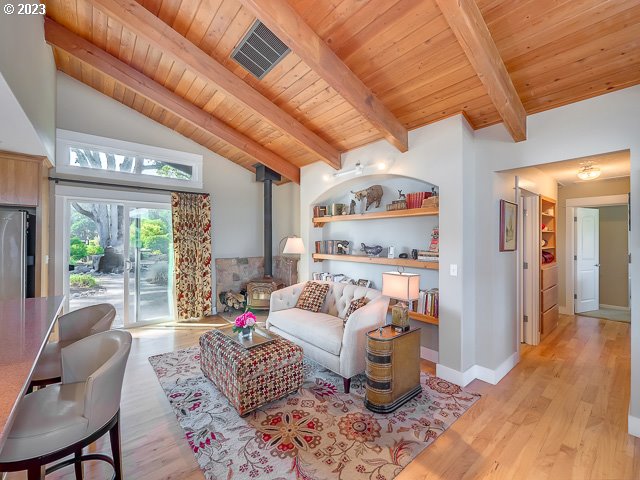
[
  {"x": 72, "y": 327},
  {"x": 62, "y": 419}
]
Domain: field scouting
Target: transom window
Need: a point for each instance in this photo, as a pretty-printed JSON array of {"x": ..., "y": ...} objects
[{"x": 90, "y": 155}]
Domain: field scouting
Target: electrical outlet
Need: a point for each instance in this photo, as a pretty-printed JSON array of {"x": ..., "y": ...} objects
[{"x": 453, "y": 270}]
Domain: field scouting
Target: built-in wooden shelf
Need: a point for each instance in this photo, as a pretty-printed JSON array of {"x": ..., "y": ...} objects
[
  {"x": 548, "y": 215},
  {"x": 421, "y": 317},
  {"x": 547, "y": 248},
  {"x": 544, "y": 266},
  {"x": 548, "y": 231},
  {"x": 409, "y": 212},
  {"x": 396, "y": 262}
]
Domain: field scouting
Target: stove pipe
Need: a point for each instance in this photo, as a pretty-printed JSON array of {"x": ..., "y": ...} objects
[{"x": 267, "y": 177}]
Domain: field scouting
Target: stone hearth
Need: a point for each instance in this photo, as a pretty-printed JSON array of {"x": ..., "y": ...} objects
[{"x": 234, "y": 273}]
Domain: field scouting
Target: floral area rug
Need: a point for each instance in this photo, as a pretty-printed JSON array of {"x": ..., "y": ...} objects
[{"x": 317, "y": 433}]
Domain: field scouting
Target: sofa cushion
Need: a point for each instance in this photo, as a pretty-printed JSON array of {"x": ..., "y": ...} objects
[
  {"x": 312, "y": 296},
  {"x": 355, "y": 305},
  {"x": 319, "y": 329},
  {"x": 340, "y": 296}
]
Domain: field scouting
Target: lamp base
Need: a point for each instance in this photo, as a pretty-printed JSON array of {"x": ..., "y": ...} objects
[{"x": 400, "y": 317}]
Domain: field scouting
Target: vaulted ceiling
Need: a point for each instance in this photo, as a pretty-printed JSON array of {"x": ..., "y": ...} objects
[{"x": 359, "y": 70}]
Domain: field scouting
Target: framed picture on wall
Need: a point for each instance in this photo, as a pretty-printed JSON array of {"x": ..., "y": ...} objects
[{"x": 508, "y": 226}]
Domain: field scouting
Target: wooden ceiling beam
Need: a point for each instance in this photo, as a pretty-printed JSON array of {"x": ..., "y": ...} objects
[
  {"x": 468, "y": 25},
  {"x": 59, "y": 37},
  {"x": 152, "y": 29},
  {"x": 283, "y": 20}
]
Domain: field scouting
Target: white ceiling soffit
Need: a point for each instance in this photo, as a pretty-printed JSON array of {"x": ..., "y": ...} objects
[
  {"x": 16, "y": 132},
  {"x": 612, "y": 165}
]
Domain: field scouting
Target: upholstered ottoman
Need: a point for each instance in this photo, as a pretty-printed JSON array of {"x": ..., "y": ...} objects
[{"x": 251, "y": 377}]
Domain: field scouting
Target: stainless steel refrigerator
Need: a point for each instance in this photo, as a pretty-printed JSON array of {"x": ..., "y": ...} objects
[{"x": 13, "y": 254}]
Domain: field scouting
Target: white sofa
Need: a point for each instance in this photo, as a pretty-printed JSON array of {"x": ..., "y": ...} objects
[{"x": 324, "y": 336}]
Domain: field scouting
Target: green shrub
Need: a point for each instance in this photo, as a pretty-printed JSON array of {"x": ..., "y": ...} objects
[
  {"x": 158, "y": 243},
  {"x": 77, "y": 249},
  {"x": 82, "y": 280},
  {"x": 94, "y": 247}
]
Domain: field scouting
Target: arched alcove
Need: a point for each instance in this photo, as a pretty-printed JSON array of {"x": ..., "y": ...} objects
[{"x": 403, "y": 233}]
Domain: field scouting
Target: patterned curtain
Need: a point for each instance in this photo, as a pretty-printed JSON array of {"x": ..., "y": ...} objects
[{"x": 191, "y": 213}]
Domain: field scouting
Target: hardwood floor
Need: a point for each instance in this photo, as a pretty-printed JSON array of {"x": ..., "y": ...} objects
[{"x": 560, "y": 414}]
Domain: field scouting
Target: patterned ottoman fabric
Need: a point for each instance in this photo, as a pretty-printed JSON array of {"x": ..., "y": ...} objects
[{"x": 252, "y": 377}]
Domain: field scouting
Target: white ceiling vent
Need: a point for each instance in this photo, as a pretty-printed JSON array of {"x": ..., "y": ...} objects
[{"x": 260, "y": 50}]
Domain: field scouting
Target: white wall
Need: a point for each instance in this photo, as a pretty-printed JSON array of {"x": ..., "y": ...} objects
[
  {"x": 27, "y": 65},
  {"x": 478, "y": 324},
  {"x": 404, "y": 234},
  {"x": 436, "y": 155},
  {"x": 236, "y": 198},
  {"x": 603, "y": 124}
]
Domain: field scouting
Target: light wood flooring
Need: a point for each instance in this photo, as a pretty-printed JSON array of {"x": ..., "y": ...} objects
[{"x": 560, "y": 414}]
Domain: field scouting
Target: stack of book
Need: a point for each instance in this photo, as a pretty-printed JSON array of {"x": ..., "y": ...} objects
[
  {"x": 428, "y": 302},
  {"x": 320, "y": 211},
  {"x": 427, "y": 256},
  {"x": 330, "y": 247}
]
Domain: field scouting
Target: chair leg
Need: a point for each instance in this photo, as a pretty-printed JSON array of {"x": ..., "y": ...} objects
[
  {"x": 346, "y": 382},
  {"x": 78, "y": 465},
  {"x": 114, "y": 436},
  {"x": 35, "y": 472}
]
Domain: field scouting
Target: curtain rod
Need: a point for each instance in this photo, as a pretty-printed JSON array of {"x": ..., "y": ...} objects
[{"x": 118, "y": 185}]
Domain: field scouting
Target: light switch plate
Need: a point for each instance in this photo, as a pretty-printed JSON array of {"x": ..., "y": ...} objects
[{"x": 453, "y": 270}]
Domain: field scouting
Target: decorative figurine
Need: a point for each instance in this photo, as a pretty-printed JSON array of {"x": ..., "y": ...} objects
[
  {"x": 373, "y": 194},
  {"x": 371, "y": 251},
  {"x": 401, "y": 196},
  {"x": 352, "y": 207},
  {"x": 342, "y": 246}
]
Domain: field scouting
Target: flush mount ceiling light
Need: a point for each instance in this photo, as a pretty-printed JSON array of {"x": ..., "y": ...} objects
[{"x": 588, "y": 171}]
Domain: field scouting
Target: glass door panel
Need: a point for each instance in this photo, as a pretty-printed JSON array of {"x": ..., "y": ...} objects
[
  {"x": 150, "y": 265},
  {"x": 96, "y": 255}
]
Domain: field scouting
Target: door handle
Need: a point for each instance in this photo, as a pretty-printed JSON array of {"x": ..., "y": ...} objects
[{"x": 597, "y": 265}]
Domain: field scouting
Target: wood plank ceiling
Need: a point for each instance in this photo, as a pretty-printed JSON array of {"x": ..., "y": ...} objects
[{"x": 555, "y": 51}]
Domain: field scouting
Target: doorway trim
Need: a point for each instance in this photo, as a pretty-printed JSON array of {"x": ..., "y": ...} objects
[
  {"x": 570, "y": 239},
  {"x": 62, "y": 195}
]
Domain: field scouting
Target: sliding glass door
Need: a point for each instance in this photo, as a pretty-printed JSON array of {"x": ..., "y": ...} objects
[
  {"x": 120, "y": 253},
  {"x": 150, "y": 265}
]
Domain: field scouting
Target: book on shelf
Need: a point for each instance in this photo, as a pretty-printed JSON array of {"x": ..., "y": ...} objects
[
  {"x": 428, "y": 302},
  {"x": 332, "y": 247},
  {"x": 427, "y": 256}
]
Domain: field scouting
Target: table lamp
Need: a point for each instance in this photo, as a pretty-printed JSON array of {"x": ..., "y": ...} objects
[
  {"x": 404, "y": 287},
  {"x": 293, "y": 246}
]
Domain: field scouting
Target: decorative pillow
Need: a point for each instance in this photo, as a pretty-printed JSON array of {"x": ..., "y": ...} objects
[
  {"x": 355, "y": 305},
  {"x": 312, "y": 296}
]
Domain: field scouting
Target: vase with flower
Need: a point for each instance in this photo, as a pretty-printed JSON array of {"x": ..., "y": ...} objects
[{"x": 245, "y": 324}]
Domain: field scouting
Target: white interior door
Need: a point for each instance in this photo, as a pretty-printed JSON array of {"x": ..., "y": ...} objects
[{"x": 587, "y": 259}]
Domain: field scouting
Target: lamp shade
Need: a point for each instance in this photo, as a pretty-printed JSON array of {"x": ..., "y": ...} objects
[
  {"x": 401, "y": 286},
  {"x": 294, "y": 246}
]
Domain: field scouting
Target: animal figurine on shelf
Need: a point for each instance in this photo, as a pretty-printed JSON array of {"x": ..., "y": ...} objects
[
  {"x": 371, "y": 251},
  {"x": 401, "y": 196},
  {"x": 342, "y": 246},
  {"x": 352, "y": 207},
  {"x": 373, "y": 194}
]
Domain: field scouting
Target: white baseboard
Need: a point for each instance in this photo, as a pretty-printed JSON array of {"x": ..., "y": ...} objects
[
  {"x": 494, "y": 376},
  {"x": 454, "y": 376},
  {"x": 615, "y": 307},
  {"x": 478, "y": 372},
  {"x": 428, "y": 354},
  {"x": 633, "y": 425}
]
